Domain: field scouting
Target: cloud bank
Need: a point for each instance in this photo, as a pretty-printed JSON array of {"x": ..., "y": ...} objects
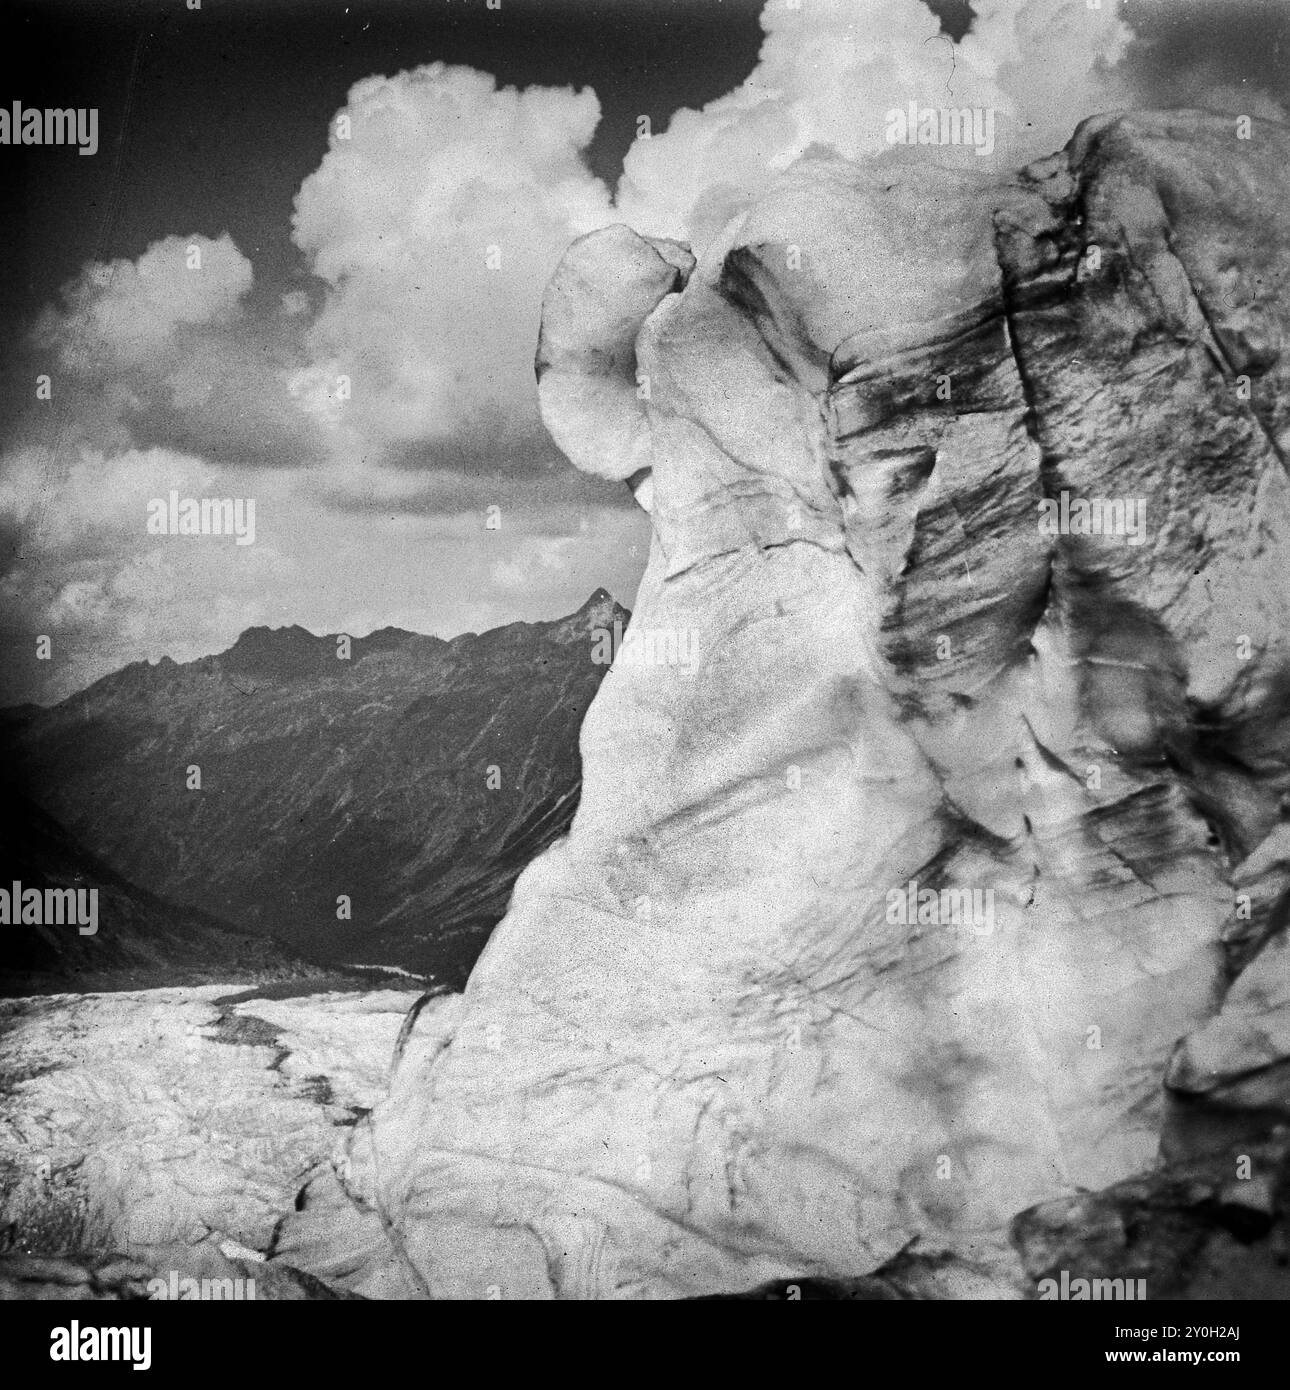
[
  {"x": 830, "y": 70},
  {"x": 442, "y": 206},
  {"x": 378, "y": 411}
]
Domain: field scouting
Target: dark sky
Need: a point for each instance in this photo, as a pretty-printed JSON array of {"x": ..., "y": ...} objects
[{"x": 211, "y": 119}]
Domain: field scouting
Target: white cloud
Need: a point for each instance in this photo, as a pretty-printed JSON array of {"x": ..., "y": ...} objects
[
  {"x": 436, "y": 224},
  {"x": 830, "y": 70},
  {"x": 1239, "y": 99},
  {"x": 95, "y": 505},
  {"x": 434, "y": 228},
  {"x": 163, "y": 351},
  {"x": 120, "y": 313},
  {"x": 87, "y": 573},
  {"x": 534, "y": 564}
]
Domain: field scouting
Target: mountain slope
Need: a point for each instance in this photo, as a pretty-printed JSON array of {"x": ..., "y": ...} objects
[
  {"x": 140, "y": 938},
  {"x": 414, "y": 777}
]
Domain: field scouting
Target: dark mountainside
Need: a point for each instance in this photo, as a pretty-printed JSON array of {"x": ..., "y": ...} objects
[
  {"x": 141, "y": 939},
  {"x": 322, "y": 777}
]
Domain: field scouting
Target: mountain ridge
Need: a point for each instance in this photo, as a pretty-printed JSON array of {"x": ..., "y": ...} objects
[{"x": 402, "y": 779}]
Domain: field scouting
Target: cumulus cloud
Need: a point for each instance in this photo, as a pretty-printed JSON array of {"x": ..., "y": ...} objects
[
  {"x": 535, "y": 564},
  {"x": 444, "y": 201},
  {"x": 162, "y": 351},
  {"x": 377, "y": 408},
  {"x": 830, "y": 71},
  {"x": 295, "y": 302},
  {"x": 85, "y": 571},
  {"x": 436, "y": 217},
  {"x": 121, "y": 313},
  {"x": 1207, "y": 88},
  {"x": 97, "y": 505}
]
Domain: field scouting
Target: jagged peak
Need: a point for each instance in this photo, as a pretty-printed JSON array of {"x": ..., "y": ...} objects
[
  {"x": 600, "y": 610},
  {"x": 293, "y": 650}
]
